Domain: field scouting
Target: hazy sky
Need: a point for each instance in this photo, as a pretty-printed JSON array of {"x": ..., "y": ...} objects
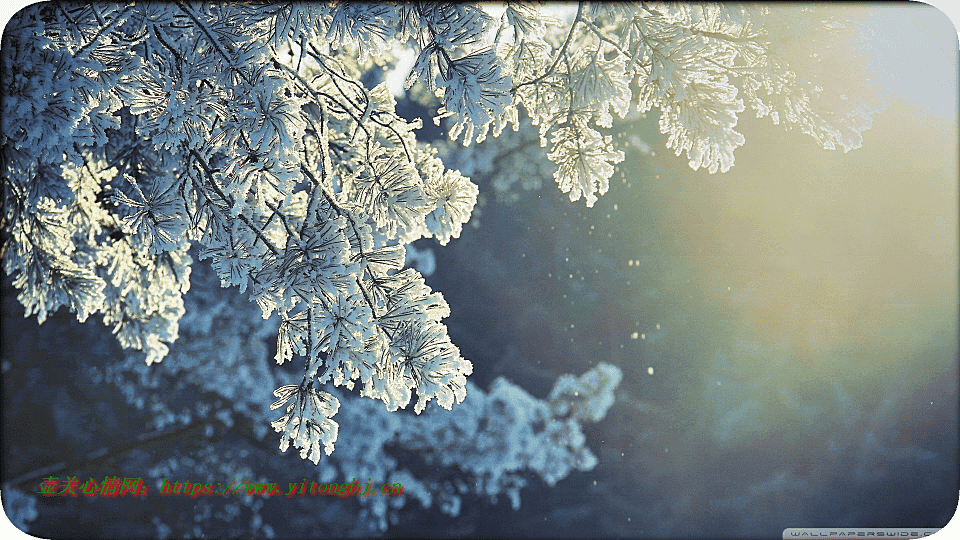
[{"x": 916, "y": 42}]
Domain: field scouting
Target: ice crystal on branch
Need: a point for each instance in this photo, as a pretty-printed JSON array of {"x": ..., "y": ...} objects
[
  {"x": 256, "y": 135},
  {"x": 307, "y": 422},
  {"x": 584, "y": 159}
]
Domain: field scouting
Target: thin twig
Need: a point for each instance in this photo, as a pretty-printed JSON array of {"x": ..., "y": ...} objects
[
  {"x": 562, "y": 53},
  {"x": 604, "y": 38},
  {"x": 104, "y": 29},
  {"x": 213, "y": 42},
  {"x": 229, "y": 200},
  {"x": 101, "y": 455}
]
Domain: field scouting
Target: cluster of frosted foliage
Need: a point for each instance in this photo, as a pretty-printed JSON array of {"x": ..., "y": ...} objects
[
  {"x": 494, "y": 439},
  {"x": 134, "y": 133},
  {"x": 586, "y": 397},
  {"x": 701, "y": 64},
  {"x": 498, "y": 435}
]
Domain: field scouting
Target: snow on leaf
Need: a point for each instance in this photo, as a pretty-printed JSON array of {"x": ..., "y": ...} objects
[
  {"x": 456, "y": 196},
  {"x": 234, "y": 265},
  {"x": 528, "y": 21},
  {"x": 475, "y": 93},
  {"x": 346, "y": 324},
  {"x": 701, "y": 120},
  {"x": 318, "y": 268},
  {"x": 599, "y": 85},
  {"x": 408, "y": 298},
  {"x": 292, "y": 336},
  {"x": 157, "y": 216},
  {"x": 307, "y": 422},
  {"x": 424, "y": 69},
  {"x": 284, "y": 393},
  {"x": 585, "y": 161},
  {"x": 381, "y": 260},
  {"x": 456, "y": 24},
  {"x": 390, "y": 192},
  {"x": 364, "y": 26}
]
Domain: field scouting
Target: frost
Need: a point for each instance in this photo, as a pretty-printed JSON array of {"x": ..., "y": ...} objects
[
  {"x": 701, "y": 123},
  {"x": 307, "y": 422},
  {"x": 475, "y": 92},
  {"x": 456, "y": 196},
  {"x": 585, "y": 160},
  {"x": 601, "y": 84}
]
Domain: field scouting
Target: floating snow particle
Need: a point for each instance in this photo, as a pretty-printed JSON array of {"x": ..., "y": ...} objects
[
  {"x": 634, "y": 335},
  {"x": 650, "y": 370}
]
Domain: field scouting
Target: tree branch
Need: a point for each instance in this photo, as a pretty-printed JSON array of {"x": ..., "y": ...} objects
[{"x": 229, "y": 200}]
